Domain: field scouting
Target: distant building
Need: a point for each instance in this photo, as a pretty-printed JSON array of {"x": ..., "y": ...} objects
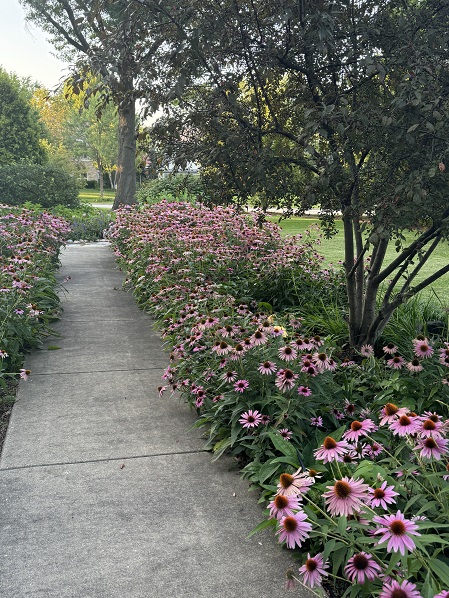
[{"x": 191, "y": 168}]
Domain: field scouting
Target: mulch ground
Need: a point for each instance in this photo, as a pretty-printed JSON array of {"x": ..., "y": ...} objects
[{"x": 7, "y": 398}]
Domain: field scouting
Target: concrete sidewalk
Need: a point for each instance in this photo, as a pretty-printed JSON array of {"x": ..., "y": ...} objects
[{"x": 104, "y": 491}]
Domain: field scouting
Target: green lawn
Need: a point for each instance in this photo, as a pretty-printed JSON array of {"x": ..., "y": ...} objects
[
  {"x": 93, "y": 195},
  {"x": 332, "y": 249}
]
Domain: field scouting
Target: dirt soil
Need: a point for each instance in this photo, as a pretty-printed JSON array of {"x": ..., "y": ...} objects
[{"x": 7, "y": 399}]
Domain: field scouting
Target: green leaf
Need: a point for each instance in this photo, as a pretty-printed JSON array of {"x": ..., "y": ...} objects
[
  {"x": 287, "y": 460},
  {"x": 267, "y": 470},
  {"x": 284, "y": 447},
  {"x": 395, "y": 558},
  {"x": 262, "y": 525},
  {"x": 337, "y": 558},
  {"x": 342, "y": 525},
  {"x": 441, "y": 570},
  {"x": 220, "y": 447}
]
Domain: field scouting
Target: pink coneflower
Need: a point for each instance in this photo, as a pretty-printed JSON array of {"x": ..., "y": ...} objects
[
  {"x": 286, "y": 433},
  {"x": 382, "y": 496},
  {"x": 430, "y": 426},
  {"x": 405, "y": 425},
  {"x": 223, "y": 348},
  {"x": 300, "y": 344},
  {"x": 199, "y": 402},
  {"x": 238, "y": 351},
  {"x": 265, "y": 419},
  {"x": 423, "y": 349},
  {"x": 258, "y": 338},
  {"x": 362, "y": 567},
  {"x": 390, "y": 348},
  {"x": 414, "y": 365},
  {"x": 397, "y": 530},
  {"x": 241, "y": 385},
  {"x": 372, "y": 450},
  {"x": 367, "y": 350},
  {"x": 294, "y": 530},
  {"x": 346, "y": 362},
  {"x": 331, "y": 365},
  {"x": 3, "y": 354},
  {"x": 296, "y": 483},
  {"x": 359, "y": 429},
  {"x": 433, "y": 447},
  {"x": 285, "y": 379},
  {"x": 287, "y": 353},
  {"x": 278, "y": 331},
  {"x": 317, "y": 341},
  {"x": 331, "y": 450},
  {"x": 390, "y": 413},
  {"x": 308, "y": 344},
  {"x": 267, "y": 367},
  {"x": 24, "y": 374},
  {"x": 321, "y": 360},
  {"x": 346, "y": 496},
  {"x": 316, "y": 421},
  {"x": 230, "y": 376},
  {"x": 217, "y": 398},
  {"x": 349, "y": 407},
  {"x": 313, "y": 570},
  {"x": 296, "y": 322},
  {"x": 443, "y": 594},
  {"x": 283, "y": 506},
  {"x": 309, "y": 369},
  {"x": 394, "y": 589},
  {"x": 351, "y": 456},
  {"x": 396, "y": 362},
  {"x": 250, "y": 419},
  {"x": 304, "y": 391}
]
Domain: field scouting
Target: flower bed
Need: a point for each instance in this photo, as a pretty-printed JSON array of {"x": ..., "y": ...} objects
[
  {"x": 29, "y": 248},
  {"x": 350, "y": 454}
]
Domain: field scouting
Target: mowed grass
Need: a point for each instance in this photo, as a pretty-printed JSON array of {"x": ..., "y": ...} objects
[
  {"x": 93, "y": 195},
  {"x": 332, "y": 249}
]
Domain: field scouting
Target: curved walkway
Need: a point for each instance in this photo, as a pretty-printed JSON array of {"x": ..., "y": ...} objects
[{"x": 105, "y": 491}]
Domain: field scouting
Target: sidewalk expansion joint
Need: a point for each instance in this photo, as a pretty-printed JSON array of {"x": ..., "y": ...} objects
[{"x": 105, "y": 460}]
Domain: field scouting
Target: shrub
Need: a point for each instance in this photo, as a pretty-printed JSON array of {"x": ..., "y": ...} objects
[
  {"x": 177, "y": 187},
  {"x": 46, "y": 185}
]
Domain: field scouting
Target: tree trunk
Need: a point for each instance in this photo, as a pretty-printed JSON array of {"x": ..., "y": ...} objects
[
  {"x": 126, "y": 163},
  {"x": 100, "y": 172}
]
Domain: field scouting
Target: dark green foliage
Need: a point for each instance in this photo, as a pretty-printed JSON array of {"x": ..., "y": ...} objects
[
  {"x": 178, "y": 187},
  {"x": 46, "y": 185},
  {"x": 20, "y": 129}
]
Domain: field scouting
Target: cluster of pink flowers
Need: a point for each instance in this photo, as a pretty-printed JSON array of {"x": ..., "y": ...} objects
[
  {"x": 29, "y": 245},
  {"x": 254, "y": 372},
  {"x": 346, "y": 497}
]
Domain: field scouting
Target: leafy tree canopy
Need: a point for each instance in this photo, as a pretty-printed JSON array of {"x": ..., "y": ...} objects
[
  {"x": 354, "y": 94},
  {"x": 20, "y": 127}
]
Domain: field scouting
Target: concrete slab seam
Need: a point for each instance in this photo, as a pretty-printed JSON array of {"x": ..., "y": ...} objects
[{"x": 110, "y": 459}]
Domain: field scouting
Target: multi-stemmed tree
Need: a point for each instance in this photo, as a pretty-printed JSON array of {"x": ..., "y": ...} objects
[{"x": 351, "y": 97}]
